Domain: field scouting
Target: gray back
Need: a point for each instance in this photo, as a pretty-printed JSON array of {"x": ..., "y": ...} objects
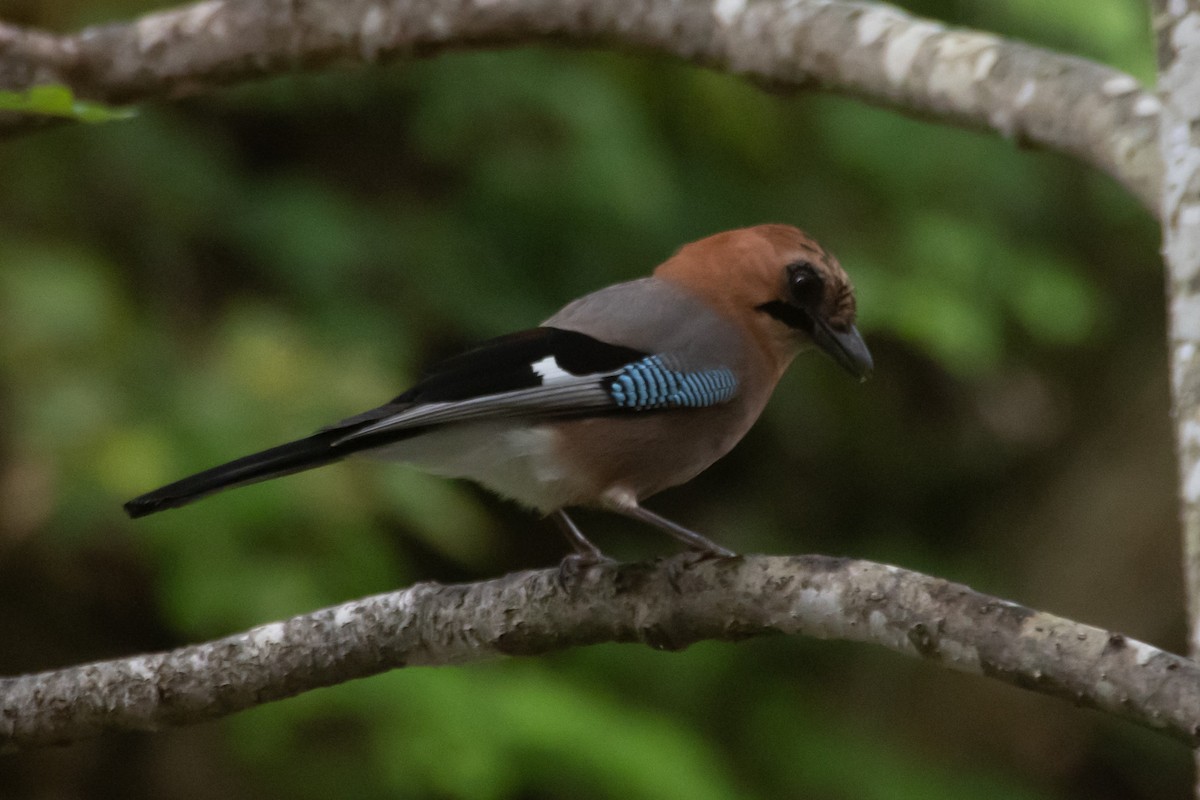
[{"x": 655, "y": 316}]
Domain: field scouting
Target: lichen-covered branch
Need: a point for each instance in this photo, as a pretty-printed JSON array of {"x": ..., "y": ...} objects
[
  {"x": 667, "y": 605},
  {"x": 1177, "y": 29},
  {"x": 871, "y": 51}
]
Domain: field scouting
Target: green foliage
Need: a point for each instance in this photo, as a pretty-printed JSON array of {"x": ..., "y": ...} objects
[
  {"x": 1113, "y": 32},
  {"x": 226, "y": 274},
  {"x": 503, "y": 727},
  {"x": 831, "y": 761},
  {"x": 55, "y": 100},
  {"x": 966, "y": 281}
]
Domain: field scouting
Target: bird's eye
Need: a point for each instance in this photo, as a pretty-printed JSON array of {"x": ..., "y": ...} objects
[{"x": 805, "y": 285}]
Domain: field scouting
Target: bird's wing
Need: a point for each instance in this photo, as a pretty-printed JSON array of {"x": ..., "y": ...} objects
[
  {"x": 542, "y": 372},
  {"x": 631, "y": 348}
]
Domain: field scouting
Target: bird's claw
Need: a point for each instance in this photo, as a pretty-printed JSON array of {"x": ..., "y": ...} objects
[
  {"x": 677, "y": 567},
  {"x": 575, "y": 565}
]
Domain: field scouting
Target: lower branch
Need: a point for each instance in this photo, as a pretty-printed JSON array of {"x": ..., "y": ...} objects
[{"x": 667, "y": 605}]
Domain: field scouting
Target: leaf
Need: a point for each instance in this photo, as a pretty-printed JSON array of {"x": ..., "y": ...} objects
[
  {"x": 56, "y": 100},
  {"x": 50, "y": 99}
]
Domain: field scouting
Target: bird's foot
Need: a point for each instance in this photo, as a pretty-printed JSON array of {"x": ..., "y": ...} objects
[
  {"x": 678, "y": 566},
  {"x": 574, "y": 566},
  {"x": 586, "y": 554}
]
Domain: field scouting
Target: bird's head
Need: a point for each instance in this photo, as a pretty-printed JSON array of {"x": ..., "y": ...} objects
[{"x": 779, "y": 284}]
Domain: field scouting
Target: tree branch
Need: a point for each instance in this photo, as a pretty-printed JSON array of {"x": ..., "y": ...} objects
[
  {"x": 870, "y": 51},
  {"x": 1177, "y": 29},
  {"x": 667, "y": 605}
]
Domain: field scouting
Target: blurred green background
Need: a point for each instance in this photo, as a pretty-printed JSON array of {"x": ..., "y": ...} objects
[{"x": 229, "y": 272}]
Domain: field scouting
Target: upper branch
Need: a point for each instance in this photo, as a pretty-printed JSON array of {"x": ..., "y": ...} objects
[
  {"x": 871, "y": 51},
  {"x": 666, "y": 605}
]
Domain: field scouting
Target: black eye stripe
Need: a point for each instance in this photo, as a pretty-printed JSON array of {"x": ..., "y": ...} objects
[{"x": 789, "y": 315}]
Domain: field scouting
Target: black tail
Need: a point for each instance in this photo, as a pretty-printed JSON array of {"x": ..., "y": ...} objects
[{"x": 297, "y": 456}]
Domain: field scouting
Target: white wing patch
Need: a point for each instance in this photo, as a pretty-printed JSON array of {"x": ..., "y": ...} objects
[{"x": 549, "y": 371}]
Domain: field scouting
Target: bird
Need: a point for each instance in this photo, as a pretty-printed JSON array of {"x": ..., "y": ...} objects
[{"x": 624, "y": 392}]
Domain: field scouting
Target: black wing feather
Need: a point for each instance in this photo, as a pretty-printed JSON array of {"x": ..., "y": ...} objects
[
  {"x": 505, "y": 363},
  {"x": 499, "y": 365}
]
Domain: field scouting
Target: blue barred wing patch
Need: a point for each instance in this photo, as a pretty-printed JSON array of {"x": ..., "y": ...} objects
[{"x": 649, "y": 384}]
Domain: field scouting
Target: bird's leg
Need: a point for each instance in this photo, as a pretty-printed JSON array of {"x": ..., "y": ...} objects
[
  {"x": 688, "y": 537},
  {"x": 586, "y": 554}
]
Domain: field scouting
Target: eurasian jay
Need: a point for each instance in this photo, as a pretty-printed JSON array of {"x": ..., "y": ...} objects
[{"x": 623, "y": 393}]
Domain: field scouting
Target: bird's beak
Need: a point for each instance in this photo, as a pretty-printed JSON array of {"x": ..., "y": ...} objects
[{"x": 847, "y": 349}]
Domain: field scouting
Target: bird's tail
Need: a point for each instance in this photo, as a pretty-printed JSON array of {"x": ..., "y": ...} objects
[{"x": 314, "y": 451}]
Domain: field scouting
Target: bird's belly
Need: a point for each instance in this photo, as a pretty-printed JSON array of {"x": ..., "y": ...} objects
[
  {"x": 643, "y": 454},
  {"x": 516, "y": 462}
]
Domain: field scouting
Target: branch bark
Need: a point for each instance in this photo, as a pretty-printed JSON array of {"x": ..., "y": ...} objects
[
  {"x": 667, "y": 605},
  {"x": 1177, "y": 29},
  {"x": 870, "y": 51}
]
